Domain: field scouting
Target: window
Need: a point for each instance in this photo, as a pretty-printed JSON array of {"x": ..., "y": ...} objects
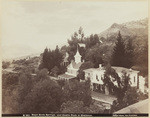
[{"x": 97, "y": 78}]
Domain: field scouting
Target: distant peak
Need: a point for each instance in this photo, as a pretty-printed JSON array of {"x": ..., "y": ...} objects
[{"x": 114, "y": 25}]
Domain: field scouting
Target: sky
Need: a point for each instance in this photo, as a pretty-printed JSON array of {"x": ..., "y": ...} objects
[{"x": 30, "y": 26}]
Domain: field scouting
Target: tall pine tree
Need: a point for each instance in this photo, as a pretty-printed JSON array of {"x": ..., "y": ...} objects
[
  {"x": 119, "y": 53},
  {"x": 58, "y": 57},
  {"x": 129, "y": 54},
  {"x": 45, "y": 58}
]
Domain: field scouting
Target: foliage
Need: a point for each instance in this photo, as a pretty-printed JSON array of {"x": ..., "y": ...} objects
[
  {"x": 9, "y": 84},
  {"x": 72, "y": 107},
  {"x": 131, "y": 96},
  {"x": 79, "y": 91},
  {"x": 78, "y": 107},
  {"x": 42, "y": 75},
  {"x": 9, "y": 80},
  {"x": 120, "y": 86},
  {"x": 24, "y": 87},
  {"x": 142, "y": 96},
  {"x": 129, "y": 53},
  {"x": 84, "y": 66},
  {"x": 92, "y": 41},
  {"x": 77, "y": 37},
  {"x": 141, "y": 61},
  {"x": 5, "y": 64},
  {"x": 45, "y": 97},
  {"x": 51, "y": 59},
  {"x": 94, "y": 55},
  {"x": 61, "y": 83},
  {"x": 62, "y": 69},
  {"x": 119, "y": 53},
  {"x": 55, "y": 71},
  {"x": 117, "y": 85}
]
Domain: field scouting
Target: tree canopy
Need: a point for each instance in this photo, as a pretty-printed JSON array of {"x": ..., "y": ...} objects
[
  {"x": 84, "y": 66},
  {"x": 119, "y": 53},
  {"x": 51, "y": 59}
]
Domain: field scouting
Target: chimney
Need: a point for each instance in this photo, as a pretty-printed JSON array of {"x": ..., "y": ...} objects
[{"x": 100, "y": 65}]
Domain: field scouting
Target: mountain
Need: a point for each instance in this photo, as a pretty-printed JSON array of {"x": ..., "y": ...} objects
[
  {"x": 11, "y": 52},
  {"x": 132, "y": 29}
]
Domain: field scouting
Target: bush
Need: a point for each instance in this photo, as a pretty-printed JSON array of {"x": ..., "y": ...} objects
[
  {"x": 78, "y": 107},
  {"x": 78, "y": 91},
  {"x": 5, "y": 64},
  {"x": 45, "y": 97}
]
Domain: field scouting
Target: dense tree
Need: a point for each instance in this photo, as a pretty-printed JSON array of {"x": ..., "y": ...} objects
[
  {"x": 95, "y": 55},
  {"x": 84, "y": 66},
  {"x": 78, "y": 91},
  {"x": 92, "y": 41},
  {"x": 9, "y": 84},
  {"x": 41, "y": 75},
  {"x": 51, "y": 59},
  {"x": 5, "y": 64},
  {"x": 45, "y": 58},
  {"x": 24, "y": 87},
  {"x": 78, "y": 107},
  {"x": 141, "y": 61},
  {"x": 73, "y": 43},
  {"x": 64, "y": 49},
  {"x": 55, "y": 71},
  {"x": 9, "y": 80},
  {"x": 61, "y": 83},
  {"x": 131, "y": 96},
  {"x": 117, "y": 85},
  {"x": 57, "y": 57},
  {"x": 119, "y": 53},
  {"x": 121, "y": 88},
  {"x": 129, "y": 53},
  {"x": 45, "y": 97}
]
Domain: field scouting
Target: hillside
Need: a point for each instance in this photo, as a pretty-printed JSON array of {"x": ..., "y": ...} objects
[
  {"x": 136, "y": 30},
  {"x": 132, "y": 29}
]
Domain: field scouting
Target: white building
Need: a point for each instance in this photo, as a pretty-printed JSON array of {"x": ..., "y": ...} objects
[
  {"x": 96, "y": 76},
  {"x": 72, "y": 68}
]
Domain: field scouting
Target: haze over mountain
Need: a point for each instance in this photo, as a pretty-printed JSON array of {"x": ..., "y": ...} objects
[
  {"x": 133, "y": 28},
  {"x": 137, "y": 29}
]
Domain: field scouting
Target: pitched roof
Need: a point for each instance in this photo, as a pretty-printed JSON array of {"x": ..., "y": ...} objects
[
  {"x": 121, "y": 69},
  {"x": 77, "y": 53},
  {"x": 94, "y": 69},
  {"x": 66, "y": 60},
  {"x": 66, "y": 76},
  {"x": 75, "y": 65},
  {"x": 117, "y": 69},
  {"x": 139, "y": 107}
]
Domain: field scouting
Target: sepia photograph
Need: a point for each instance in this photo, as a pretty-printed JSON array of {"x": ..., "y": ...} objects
[{"x": 74, "y": 58}]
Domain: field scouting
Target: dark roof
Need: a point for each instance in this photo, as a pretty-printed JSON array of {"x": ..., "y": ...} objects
[
  {"x": 117, "y": 69},
  {"x": 121, "y": 69}
]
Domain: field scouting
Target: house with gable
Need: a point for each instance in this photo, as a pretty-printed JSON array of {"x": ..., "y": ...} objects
[
  {"x": 96, "y": 76},
  {"x": 72, "y": 68}
]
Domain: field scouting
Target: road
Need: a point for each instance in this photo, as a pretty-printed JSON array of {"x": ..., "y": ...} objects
[{"x": 108, "y": 99}]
